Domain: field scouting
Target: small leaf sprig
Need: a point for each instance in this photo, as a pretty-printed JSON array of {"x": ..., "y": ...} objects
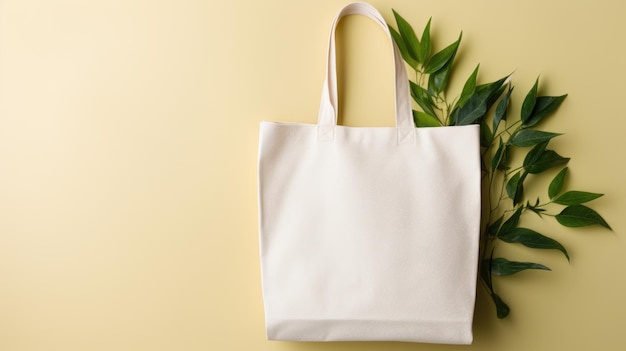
[{"x": 488, "y": 105}]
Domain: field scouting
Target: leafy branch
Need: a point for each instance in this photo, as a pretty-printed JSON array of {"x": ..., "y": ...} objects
[{"x": 488, "y": 105}]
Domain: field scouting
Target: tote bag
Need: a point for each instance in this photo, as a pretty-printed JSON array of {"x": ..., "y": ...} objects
[{"x": 368, "y": 233}]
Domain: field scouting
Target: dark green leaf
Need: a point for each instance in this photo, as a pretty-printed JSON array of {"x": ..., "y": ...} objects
[
  {"x": 544, "y": 106},
  {"x": 471, "y": 111},
  {"x": 529, "y": 137},
  {"x": 576, "y": 197},
  {"x": 422, "y": 98},
  {"x": 408, "y": 37},
  {"x": 539, "y": 159},
  {"x": 497, "y": 157},
  {"x": 580, "y": 216},
  {"x": 478, "y": 103},
  {"x": 529, "y": 103},
  {"x": 502, "y": 310},
  {"x": 486, "y": 136},
  {"x": 532, "y": 239},
  {"x": 547, "y": 160},
  {"x": 556, "y": 185},
  {"x": 485, "y": 271},
  {"x": 511, "y": 223},
  {"x": 502, "y": 267},
  {"x": 535, "y": 153},
  {"x": 468, "y": 88},
  {"x": 439, "y": 59},
  {"x": 404, "y": 51},
  {"x": 492, "y": 229},
  {"x": 502, "y": 109},
  {"x": 515, "y": 187},
  {"x": 511, "y": 185},
  {"x": 425, "y": 42},
  {"x": 490, "y": 90},
  {"x": 438, "y": 81},
  {"x": 425, "y": 120},
  {"x": 504, "y": 161}
]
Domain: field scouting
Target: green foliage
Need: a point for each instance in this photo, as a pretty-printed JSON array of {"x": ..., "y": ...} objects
[{"x": 500, "y": 136}]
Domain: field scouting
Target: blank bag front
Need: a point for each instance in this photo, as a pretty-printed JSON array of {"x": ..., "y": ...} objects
[{"x": 368, "y": 233}]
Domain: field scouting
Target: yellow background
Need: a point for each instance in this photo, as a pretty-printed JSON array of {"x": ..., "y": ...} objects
[{"x": 128, "y": 140}]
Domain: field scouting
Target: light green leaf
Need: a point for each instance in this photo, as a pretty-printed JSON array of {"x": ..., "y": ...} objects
[
  {"x": 408, "y": 37},
  {"x": 439, "y": 59},
  {"x": 529, "y": 103},
  {"x": 425, "y": 46},
  {"x": 556, "y": 185},
  {"x": 576, "y": 197},
  {"x": 544, "y": 106},
  {"x": 425, "y": 120},
  {"x": 529, "y": 137},
  {"x": 422, "y": 98},
  {"x": 580, "y": 216},
  {"x": 503, "y": 267},
  {"x": 532, "y": 239},
  {"x": 404, "y": 51}
]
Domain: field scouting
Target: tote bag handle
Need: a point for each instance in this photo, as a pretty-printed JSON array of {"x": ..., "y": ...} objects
[{"x": 328, "y": 108}]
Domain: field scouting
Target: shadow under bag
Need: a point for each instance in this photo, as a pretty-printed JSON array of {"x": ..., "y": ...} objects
[{"x": 368, "y": 233}]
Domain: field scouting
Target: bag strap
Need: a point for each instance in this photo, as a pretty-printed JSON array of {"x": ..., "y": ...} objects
[{"x": 328, "y": 108}]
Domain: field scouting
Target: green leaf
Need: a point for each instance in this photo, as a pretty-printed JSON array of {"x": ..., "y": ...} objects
[
  {"x": 539, "y": 159},
  {"x": 547, "y": 160},
  {"x": 511, "y": 223},
  {"x": 503, "y": 267},
  {"x": 534, "y": 154},
  {"x": 425, "y": 46},
  {"x": 408, "y": 37},
  {"x": 576, "y": 198},
  {"x": 422, "y": 98},
  {"x": 404, "y": 51},
  {"x": 497, "y": 157},
  {"x": 556, "y": 185},
  {"x": 580, "y": 216},
  {"x": 486, "y": 136},
  {"x": 492, "y": 229},
  {"x": 529, "y": 103},
  {"x": 439, "y": 59},
  {"x": 478, "y": 103},
  {"x": 469, "y": 87},
  {"x": 425, "y": 120},
  {"x": 471, "y": 111},
  {"x": 544, "y": 106},
  {"x": 485, "y": 271},
  {"x": 438, "y": 81},
  {"x": 515, "y": 187},
  {"x": 502, "y": 109},
  {"x": 532, "y": 239},
  {"x": 529, "y": 137},
  {"x": 502, "y": 309}
]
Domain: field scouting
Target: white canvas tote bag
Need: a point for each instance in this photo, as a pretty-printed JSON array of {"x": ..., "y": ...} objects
[{"x": 368, "y": 233}]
